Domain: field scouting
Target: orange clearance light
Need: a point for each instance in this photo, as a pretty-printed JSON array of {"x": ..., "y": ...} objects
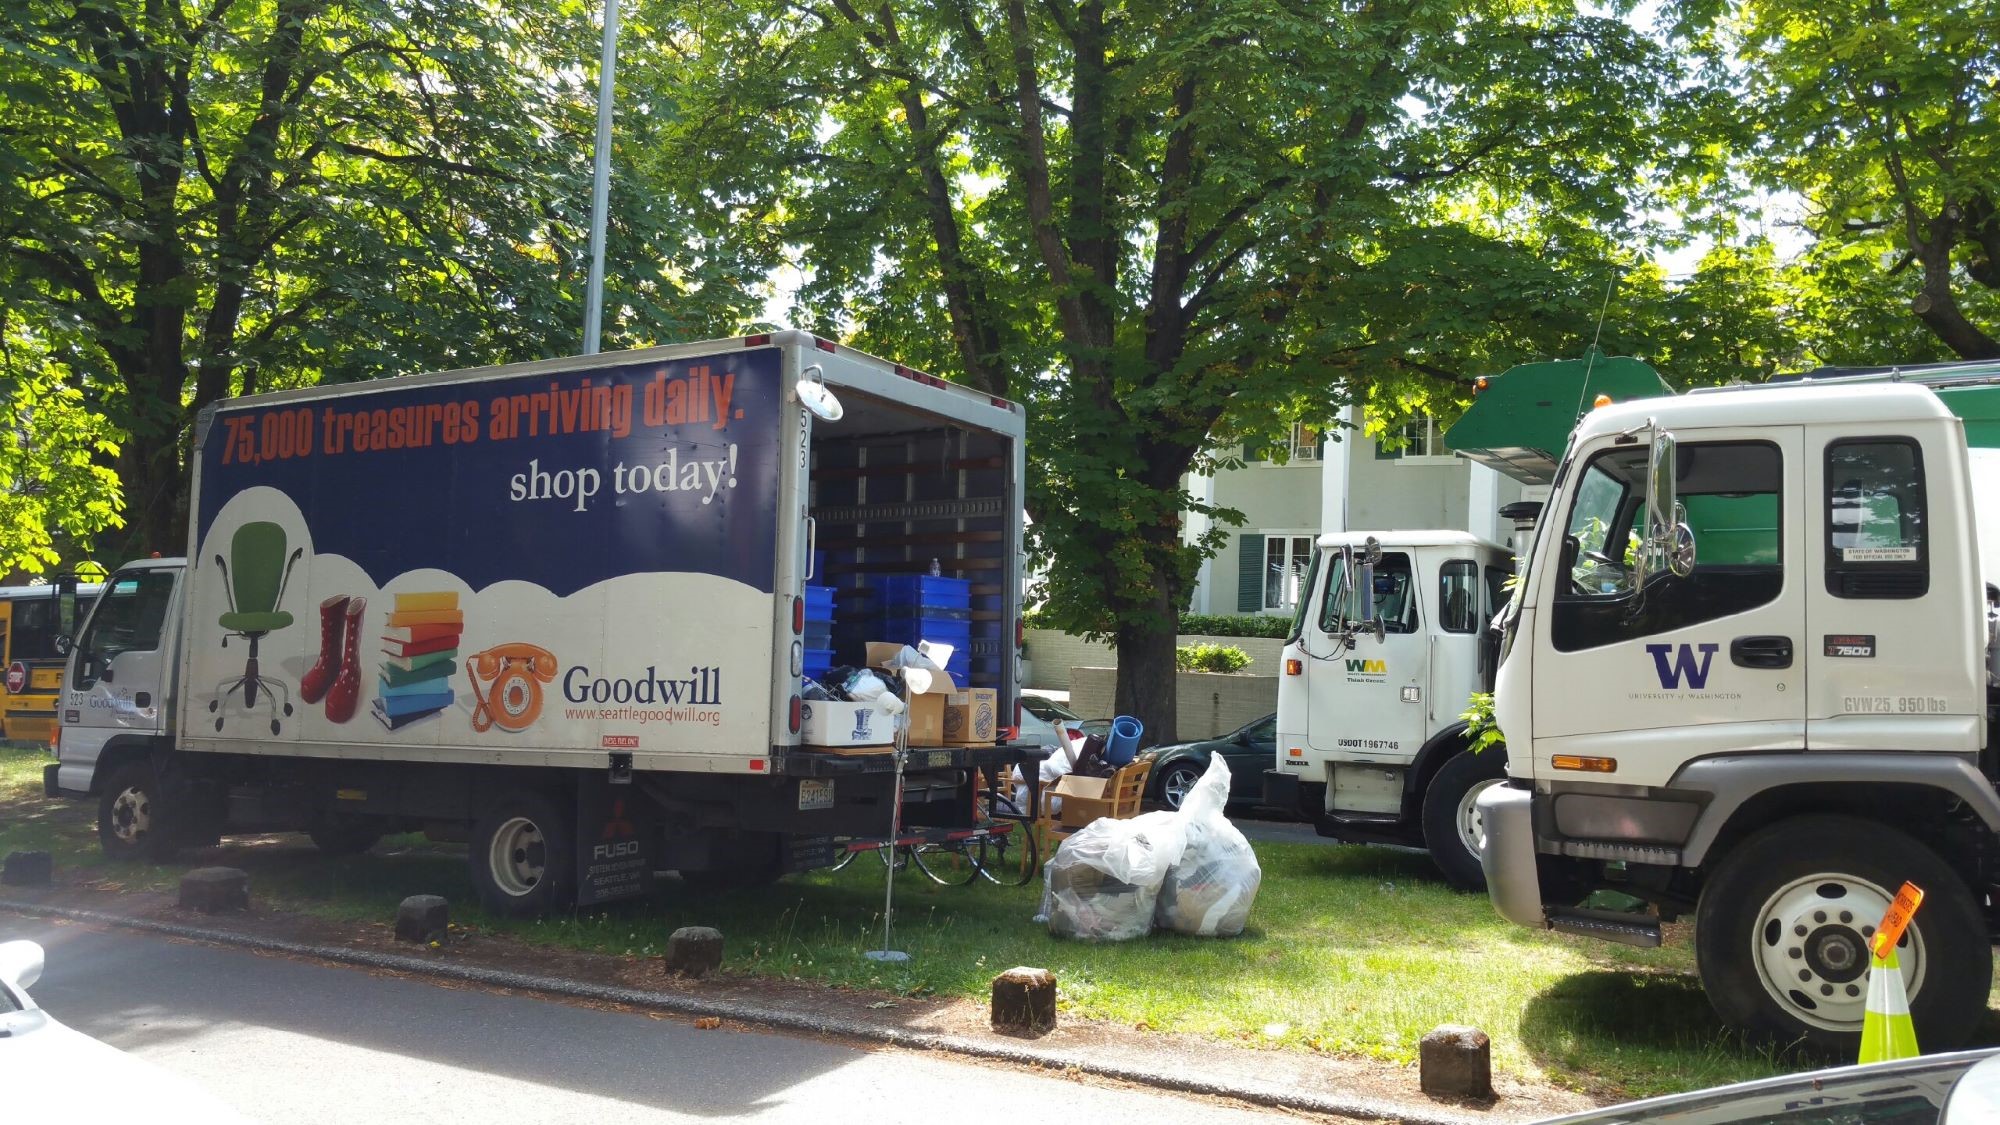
[
  {"x": 1479, "y": 384},
  {"x": 1602, "y": 402},
  {"x": 1294, "y": 667},
  {"x": 1297, "y": 753},
  {"x": 1587, "y": 765}
]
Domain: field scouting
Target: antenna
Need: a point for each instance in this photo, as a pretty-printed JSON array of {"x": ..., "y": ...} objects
[{"x": 1590, "y": 356}]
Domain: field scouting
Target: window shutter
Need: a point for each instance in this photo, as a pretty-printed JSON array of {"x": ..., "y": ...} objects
[
  {"x": 1254, "y": 451},
  {"x": 1249, "y": 573}
]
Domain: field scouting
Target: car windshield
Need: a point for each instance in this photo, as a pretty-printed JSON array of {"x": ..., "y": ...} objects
[{"x": 1048, "y": 710}]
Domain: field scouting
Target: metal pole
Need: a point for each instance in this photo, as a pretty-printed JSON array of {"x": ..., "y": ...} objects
[
  {"x": 886, "y": 953},
  {"x": 600, "y": 192}
]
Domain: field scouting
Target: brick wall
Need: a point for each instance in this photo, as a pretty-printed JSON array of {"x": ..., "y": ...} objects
[
  {"x": 1209, "y": 704},
  {"x": 1051, "y": 655}
]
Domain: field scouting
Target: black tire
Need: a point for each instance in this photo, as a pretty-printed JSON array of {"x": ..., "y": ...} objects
[
  {"x": 1792, "y": 869},
  {"x": 949, "y": 865},
  {"x": 344, "y": 837},
  {"x": 132, "y": 825},
  {"x": 523, "y": 857},
  {"x": 1010, "y": 858},
  {"x": 1170, "y": 785},
  {"x": 1455, "y": 784}
]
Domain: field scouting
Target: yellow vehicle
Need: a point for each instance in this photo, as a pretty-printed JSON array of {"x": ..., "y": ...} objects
[{"x": 31, "y": 618}]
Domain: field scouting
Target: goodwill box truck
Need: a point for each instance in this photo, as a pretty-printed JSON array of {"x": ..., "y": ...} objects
[{"x": 555, "y": 609}]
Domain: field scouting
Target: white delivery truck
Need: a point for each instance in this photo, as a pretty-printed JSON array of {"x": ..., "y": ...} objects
[
  {"x": 555, "y": 609},
  {"x": 1774, "y": 708},
  {"x": 1390, "y": 641}
]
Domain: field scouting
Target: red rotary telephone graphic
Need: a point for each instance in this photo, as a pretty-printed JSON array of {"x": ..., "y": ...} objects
[{"x": 511, "y": 699}]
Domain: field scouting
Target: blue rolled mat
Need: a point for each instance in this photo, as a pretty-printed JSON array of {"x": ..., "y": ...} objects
[{"x": 1123, "y": 745}]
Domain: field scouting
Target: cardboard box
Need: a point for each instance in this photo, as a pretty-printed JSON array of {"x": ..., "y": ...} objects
[
  {"x": 971, "y": 717},
  {"x": 1084, "y": 799},
  {"x": 839, "y": 724},
  {"x": 926, "y": 709}
]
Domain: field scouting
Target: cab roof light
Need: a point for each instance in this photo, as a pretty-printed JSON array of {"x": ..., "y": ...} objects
[
  {"x": 1479, "y": 384},
  {"x": 1602, "y": 402}
]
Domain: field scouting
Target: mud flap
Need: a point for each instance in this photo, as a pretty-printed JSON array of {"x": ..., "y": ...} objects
[{"x": 616, "y": 837}]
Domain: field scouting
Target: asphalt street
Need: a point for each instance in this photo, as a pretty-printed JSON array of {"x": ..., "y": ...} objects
[{"x": 297, "y": 1042}]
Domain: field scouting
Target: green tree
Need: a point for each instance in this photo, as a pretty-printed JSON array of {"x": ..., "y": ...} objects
[
  {"x": 200, "y": 199},
  {"x": 1882, "y": 114},
  {"x": 1171, "y": 226}
]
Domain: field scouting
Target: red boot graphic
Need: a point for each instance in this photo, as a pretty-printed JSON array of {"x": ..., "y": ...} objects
[
  {"x": 332, "y": 621},
  {"x": 345, "y": 694}
]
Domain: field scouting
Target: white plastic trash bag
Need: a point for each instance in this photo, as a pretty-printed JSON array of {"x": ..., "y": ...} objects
[
  {"x": 1209, "y": 891},
  {"x": 1104, "y": 882}
]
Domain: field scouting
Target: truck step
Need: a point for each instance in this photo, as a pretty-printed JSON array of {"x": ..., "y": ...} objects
[{"x": 1607, "y": 925}]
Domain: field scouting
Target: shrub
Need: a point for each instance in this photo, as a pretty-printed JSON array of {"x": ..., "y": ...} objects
[
  {"x": 1211, "y": 658},
  {"x": 1235, "y": 625}
]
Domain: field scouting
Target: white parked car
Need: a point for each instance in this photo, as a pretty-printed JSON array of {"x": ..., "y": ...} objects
[{"x": 48, "y": 1062}]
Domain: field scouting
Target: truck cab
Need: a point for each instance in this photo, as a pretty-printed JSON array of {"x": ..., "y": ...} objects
[
  {"x": 1744, "y": 679},
  {"x": 1388, "y": 645}
]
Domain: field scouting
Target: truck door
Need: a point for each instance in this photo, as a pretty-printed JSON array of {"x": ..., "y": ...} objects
[
  {"x": 120, "y": 669},
  {"x": 1634, "y": 682},
  {"x": 1457, "y": 657},
  {"x": 1367, "y": 696},
  {"x": 1894, "y": 611}
]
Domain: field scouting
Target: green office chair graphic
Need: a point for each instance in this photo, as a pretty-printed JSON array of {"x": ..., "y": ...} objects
[{"x": 254, "y": 577}]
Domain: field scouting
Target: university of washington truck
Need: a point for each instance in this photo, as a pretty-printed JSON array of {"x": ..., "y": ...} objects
[
  {"x": 1773, "y": 708},
  {"x": 554, "y": 609}
]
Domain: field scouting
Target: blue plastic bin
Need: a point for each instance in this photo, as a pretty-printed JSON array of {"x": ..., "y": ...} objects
[{"x": 922, "y": 590}]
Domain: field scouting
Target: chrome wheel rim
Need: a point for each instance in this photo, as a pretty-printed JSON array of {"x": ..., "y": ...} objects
[
  {"x": 1470, "y": 821},
  {"x": 517, "y": 856},
  {"x": 1178, "y": 784},
  {"x": 1810, "y": 946}
]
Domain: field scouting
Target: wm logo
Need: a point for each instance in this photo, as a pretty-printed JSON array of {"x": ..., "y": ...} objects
[
  {"x": 1685, "y": 666},
  {"x": 1369, "y": 667}
]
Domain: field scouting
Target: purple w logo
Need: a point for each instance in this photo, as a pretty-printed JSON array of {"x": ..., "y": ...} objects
[{"x": 1684, "y": 666}]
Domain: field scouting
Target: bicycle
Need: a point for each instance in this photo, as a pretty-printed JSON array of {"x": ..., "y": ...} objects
[{"x": 1003, "y": 849}]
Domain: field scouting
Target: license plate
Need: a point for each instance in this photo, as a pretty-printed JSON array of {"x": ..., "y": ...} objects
[{"x": 815, "y": 793}]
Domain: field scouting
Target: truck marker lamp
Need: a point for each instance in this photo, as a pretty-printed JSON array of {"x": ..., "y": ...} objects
[
  {"x": 1588, "y": 765},
  {"x": 1295, "y": 667},
  {"x": 1479, "y": 384},
  {"x": 824, "y": 345},
  {"x": 756, "y": 765},
  {"x": 798, "y": 616},
  {"x": 1296, "y": 752},
  {"x": 798, "y": 658},
  {"x": 794, "y": 719},
  {"x": 1602, "y": 402}
]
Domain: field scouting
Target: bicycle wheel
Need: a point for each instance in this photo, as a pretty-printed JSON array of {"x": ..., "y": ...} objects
[
  {"x": 952, "y": 865},
  {"x": 1011, "y": 857},
  {"x": 846, "y": 857}
]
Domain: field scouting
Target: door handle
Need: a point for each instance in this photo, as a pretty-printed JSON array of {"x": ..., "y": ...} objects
[{"x": 1761, "y": 652}]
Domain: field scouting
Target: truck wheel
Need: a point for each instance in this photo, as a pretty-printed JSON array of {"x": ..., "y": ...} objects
[
  {"x": 522, "y": 857},
  {"x": 343, "y": 837},
  {"x": 1781, "y": 934},
  {"x": 1453, "y": 829},
  {"x": 130, "y": 825}
]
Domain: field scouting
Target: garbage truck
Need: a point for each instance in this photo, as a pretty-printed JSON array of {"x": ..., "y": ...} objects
[
  {"x": 1371, "y": 747},
  {"x": 1745, "y": 680},
  {"x": 557, "y": 610}
]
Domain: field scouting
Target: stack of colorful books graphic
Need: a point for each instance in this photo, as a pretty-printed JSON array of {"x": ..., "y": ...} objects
[{"x": 420, "y": 656}]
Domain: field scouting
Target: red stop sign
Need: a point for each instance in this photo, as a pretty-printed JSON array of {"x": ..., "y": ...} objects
[{"x": 17, "y": 677}]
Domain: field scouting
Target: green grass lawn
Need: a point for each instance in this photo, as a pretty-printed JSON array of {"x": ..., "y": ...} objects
[{"x": 1350, "y": 950}]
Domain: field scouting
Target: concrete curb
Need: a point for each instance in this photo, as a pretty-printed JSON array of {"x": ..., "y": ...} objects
[{"x": 1278, "y": 1097}]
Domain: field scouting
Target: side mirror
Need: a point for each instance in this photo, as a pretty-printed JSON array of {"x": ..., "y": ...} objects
[
  {"x": 1369, "y": 619},
  {"x": 1667, "y": 543},
  {"x": 64, "y": 644}
]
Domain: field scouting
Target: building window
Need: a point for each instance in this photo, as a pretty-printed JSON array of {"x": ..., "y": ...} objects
[
  {"x": 1305, "y": 442},
  {"x": 1287, "y": 558},
  {"x": 1419, "y": 437}
]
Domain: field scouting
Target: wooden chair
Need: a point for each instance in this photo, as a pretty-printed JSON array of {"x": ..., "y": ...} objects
[{"x": 1121, "y": 800}]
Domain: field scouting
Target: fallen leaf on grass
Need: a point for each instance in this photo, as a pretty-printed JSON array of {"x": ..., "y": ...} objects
[{"x": 708, "y": 1023}]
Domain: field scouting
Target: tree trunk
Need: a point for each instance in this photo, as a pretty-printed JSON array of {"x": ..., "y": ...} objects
[{"x": 1146, "y": 685}]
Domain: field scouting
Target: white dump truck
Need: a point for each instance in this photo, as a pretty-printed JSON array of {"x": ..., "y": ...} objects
[
  {"x": 1746, "y": 679},
  {"x": 556, "y": 609}
]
